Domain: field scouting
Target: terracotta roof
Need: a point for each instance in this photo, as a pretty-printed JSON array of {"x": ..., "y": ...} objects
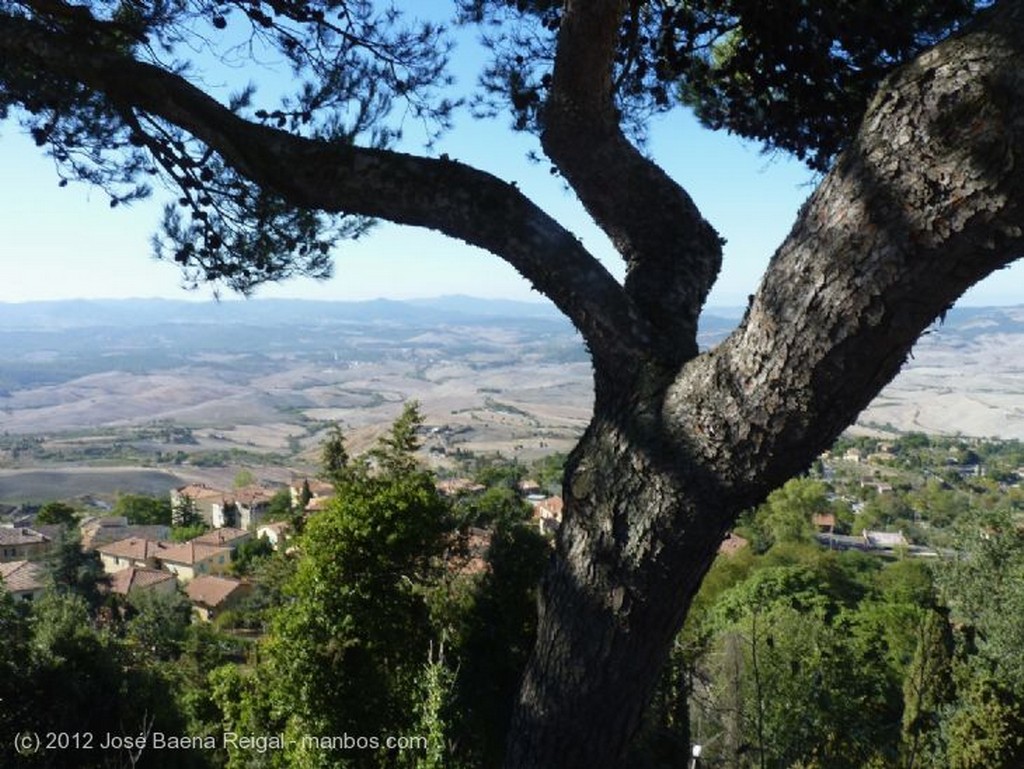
[
  {"x": 221, "y": 536},
  {"x": 127, "y": 580},
  {"x": 189, "y": 553},
  {"x": 21, "y": 576},
  {"x": 21, "y": 535},
  {"x": 552, "y": 506},
  {"x": 198, "y": 491},
  {"x": 731, "y": 544},
  {"x": 317, "y": 488},
  {"x": 318, "y": 503},
  {"x": 52, "y": 531},
  {"x": 135, "y": 548},
  {"x": 98, "y": 522},
  {"x": 212, "y": 591},
  {"x": 93, "y": 538},
  {"x": 458, "y": 486},
  {"x": 253, "y": 495}
]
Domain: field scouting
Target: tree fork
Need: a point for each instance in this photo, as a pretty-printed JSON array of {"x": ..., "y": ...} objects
[{"x": 879, "y": 251}]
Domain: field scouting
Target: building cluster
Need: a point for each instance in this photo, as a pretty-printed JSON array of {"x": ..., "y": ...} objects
[{"x": 143, "y": 558}]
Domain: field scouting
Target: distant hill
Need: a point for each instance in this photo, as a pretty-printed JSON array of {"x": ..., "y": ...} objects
[
  {"x": 966, "y": 376},
  {"x": 71, "y": 365},
  {"x": 81, "y": 313}
]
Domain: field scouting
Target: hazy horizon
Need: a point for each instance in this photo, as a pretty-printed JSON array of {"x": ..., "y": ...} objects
[{"x": 196, "y": 297}]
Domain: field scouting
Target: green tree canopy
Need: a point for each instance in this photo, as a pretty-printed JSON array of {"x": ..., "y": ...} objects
[
  {"x": 354, "y": 634},
  {"x": 57, "y": 513},
  {"x": 143, "y": 509},
  {"x": 787, "y": 514},
  {"x": 78, "y": 572},
  {"x": 794, "y": 76}
]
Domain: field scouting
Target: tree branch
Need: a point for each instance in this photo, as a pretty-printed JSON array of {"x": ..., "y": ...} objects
[
  {"x": 440, "y": 194},
  {"x": 672, "y": 254},
  {"x": 928, "y": 200}
]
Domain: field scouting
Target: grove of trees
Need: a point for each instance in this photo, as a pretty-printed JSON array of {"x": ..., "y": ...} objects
[{"x": 911, "y": 111}]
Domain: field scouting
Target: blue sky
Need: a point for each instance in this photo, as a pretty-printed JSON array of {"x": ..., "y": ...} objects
[{"x": 67, "y": 243}]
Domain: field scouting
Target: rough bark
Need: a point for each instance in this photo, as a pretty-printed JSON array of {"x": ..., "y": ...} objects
[
  {"x": 672, "y": 254},
  {"x": 926, "y": 202}
]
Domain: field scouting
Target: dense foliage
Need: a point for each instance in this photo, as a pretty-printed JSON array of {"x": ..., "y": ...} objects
[
  {"x": 794, "y": 76},
  {"x": 794, "y": 654}
]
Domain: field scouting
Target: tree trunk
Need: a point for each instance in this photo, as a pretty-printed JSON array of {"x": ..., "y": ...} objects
[
  {"x": 642, "y": 523},
  {"x": 927, "y": 201}
]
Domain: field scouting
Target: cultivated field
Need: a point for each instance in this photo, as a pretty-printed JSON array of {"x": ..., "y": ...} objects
[{"x": 171, "y": 394}]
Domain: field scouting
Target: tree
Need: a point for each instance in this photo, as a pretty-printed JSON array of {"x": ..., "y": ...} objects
[
  {"x": 789, "y": 679},
  {"x": 158, "y": 624},
  {"x": 79, "y": 572},
  {"x": 927, "y": 687},
  {"x": 333, "y": 458},
  {"x": 502, "y": 616},
  {"x": 83, "y": 681},
  {"x": 185, "y": 514},
  {"x": 15, "y": 672},
  {"x": 983, "y": 588},
  {"x": 786, "y": 515},
  {"x": 243, "y": 478},
  {"x": 143, "y": 509},
  {"x": 57, "y": 513},
  {"x": 349, "y": 644},
  {"x": 917, "y": 121},
  {"x": 987, "y": 730},
  {"x": 248, "y": 555}
]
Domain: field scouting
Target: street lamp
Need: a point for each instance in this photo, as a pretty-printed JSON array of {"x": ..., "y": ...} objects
[{"x": 695, "y": 754}]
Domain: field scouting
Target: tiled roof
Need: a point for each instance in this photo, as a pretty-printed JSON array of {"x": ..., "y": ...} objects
[
  {"x": 189, "y": 553},
  {"x": 99, "y": 522},
  {"x": 52, "y": 531},
  {"x": 94, "y": 538},
  {"x": 22, "y": 576},
  {"x": 212, "y": 591},
  {"x": 197, "y": 491},
  {"x": 135, "y": 548},
  {"x": 125, "y": 581},
  {"x": 319, "y": 503},
  {"x": 552, "y": 506},
  {"x": 253, "y": 495},
  {"x": 21, "y": 535},
  {"x": 317, "y": 488},
  {"x": 452, "y": 486},
  {"x": 221, "y": 536}
]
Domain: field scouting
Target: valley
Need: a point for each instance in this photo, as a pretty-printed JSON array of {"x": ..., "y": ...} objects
[{"x": 109, "y": 393}]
